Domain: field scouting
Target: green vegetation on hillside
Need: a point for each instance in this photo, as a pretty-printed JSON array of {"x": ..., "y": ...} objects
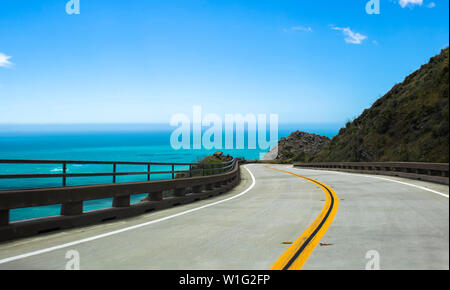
[{"x": 410, "y": 123}]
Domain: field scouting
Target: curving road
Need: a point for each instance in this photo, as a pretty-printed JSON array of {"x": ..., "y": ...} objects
[{"x": 391, "y": 222}]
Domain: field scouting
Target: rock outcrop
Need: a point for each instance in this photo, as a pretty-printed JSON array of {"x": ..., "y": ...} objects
[
  {"x": 298, "y": 147},
  {"x": 219, "y": 156}
]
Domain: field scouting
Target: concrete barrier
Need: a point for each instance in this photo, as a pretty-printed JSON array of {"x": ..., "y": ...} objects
[{"x": 71, "y": 199}]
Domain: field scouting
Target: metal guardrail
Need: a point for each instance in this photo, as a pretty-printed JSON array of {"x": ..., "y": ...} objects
[
  {"x": 434, "y": 172},
  {"x": 204, "y": 168},
  {"x": 195, "y": 185}
]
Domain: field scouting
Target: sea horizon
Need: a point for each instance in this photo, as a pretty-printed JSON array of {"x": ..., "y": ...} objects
[
  {"x": 59, "y": 141},
  {"x": 104, "y": 142}
]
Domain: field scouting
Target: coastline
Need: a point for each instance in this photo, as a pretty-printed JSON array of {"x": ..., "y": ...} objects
[{"x": 145, "y": 146}]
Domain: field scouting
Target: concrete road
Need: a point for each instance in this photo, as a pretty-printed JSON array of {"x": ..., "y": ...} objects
[{"x": 400, "y": 223}]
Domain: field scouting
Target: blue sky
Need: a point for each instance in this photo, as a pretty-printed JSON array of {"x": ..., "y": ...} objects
[{"x": 143, "y": 60}]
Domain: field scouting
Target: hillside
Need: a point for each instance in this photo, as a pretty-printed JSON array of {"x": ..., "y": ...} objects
[{"x": 410, "y": 123}]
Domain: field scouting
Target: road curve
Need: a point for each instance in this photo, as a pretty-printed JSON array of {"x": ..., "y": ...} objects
[{"x": 406, "y": 225}]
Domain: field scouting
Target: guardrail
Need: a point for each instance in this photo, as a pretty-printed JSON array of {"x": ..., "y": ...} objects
[
  {"x": 201, "y": 181},
  {"x": 204, "y": 169},
  {"x": 434, "y": 172}
]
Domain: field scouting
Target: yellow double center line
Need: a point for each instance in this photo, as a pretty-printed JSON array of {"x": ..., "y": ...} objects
[{"x": 296, "y": 255}]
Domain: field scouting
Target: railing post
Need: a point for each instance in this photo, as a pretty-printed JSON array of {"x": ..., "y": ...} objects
[
  {"x": 72, "y": 208},
  {"x": 190, "y": 170},
  {"x": 155, "y": 196},
  {"x": 4, "y": 217},
  {"x": 180, "y": 192},
  {"x": 121, "y": 201},
  {"x": 114, "y": 171},
  {"x": 148, "y": 170},
  {"x": 173, "y": 171},
  {"x": 238, "y": 175},
  {"x": 64, "y": 172},
  {"x": 197, "y": 189}
]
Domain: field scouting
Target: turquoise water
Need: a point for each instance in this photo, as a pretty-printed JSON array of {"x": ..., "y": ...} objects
[{"x": 97, "y": 145}]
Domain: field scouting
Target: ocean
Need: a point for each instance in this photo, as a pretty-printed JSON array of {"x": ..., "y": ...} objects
[{"x": 142, "y": 143}]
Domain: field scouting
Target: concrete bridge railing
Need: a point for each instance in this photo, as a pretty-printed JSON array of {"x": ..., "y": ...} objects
[
  {"x": 200, "y": 182},
  {"x": 434, "y": 172}
]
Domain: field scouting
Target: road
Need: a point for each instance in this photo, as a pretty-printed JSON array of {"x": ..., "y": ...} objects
[{"x": 391, "y": 222}]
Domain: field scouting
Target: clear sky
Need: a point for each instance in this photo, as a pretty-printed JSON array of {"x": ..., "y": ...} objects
[{"x": 127, "y": 61}]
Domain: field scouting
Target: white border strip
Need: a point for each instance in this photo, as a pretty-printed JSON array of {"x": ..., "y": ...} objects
[
  {"x": 377, "y": 177},
  {"x": 23, "y": 256}
]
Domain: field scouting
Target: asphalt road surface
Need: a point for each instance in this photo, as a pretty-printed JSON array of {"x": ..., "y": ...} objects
[{"x": 355, "y": 221}]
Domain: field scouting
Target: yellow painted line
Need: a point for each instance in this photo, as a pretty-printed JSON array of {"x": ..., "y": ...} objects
[{"x": 298, "y": 253}]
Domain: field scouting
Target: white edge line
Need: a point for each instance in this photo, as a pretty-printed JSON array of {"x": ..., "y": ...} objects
[
  {"x": 382, "y": 178},
  {"x": 38, "y": 252}
]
